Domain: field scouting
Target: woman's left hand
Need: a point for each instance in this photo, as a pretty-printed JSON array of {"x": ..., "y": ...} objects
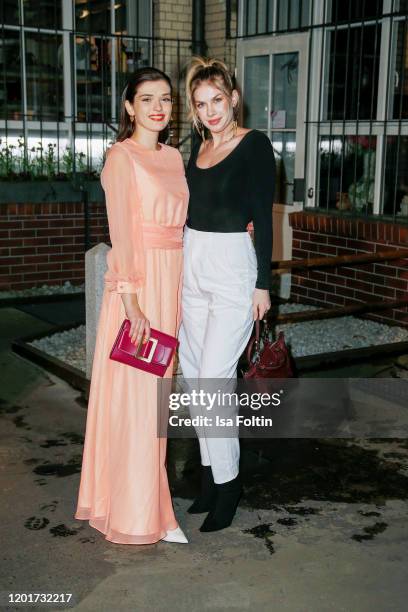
[{"x": 261, "y": 303}]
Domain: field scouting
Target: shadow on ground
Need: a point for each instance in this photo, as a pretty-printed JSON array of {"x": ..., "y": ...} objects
[
  {"x": 281, "y": 472},
  {"x": 321, "y": 525}
]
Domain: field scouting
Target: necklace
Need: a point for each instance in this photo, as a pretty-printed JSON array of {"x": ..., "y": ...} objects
[{"x": 233, "y": 134}]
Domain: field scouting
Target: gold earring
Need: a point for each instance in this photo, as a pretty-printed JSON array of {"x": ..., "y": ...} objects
[{"x": 234, "y": 122}]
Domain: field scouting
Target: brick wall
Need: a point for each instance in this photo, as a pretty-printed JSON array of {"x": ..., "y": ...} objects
[
  {"x": 173, "y": 23},
  {"x": 172, "y": 53},
  {"x": 172, "y": 19},
  {"x": 218, "y": 45},
  {"x": 320, "y": 235},
  {"x": 44, "y": 243}
]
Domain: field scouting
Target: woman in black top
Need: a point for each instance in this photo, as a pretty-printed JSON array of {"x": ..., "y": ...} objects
[{"x": 231, "y": 177}]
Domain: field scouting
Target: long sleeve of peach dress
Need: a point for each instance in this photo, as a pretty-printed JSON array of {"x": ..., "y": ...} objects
[{"x": 124, "y": 491}]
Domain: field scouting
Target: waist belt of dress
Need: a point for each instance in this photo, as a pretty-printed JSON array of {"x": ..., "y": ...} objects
[{"x": 159, "y": 237}]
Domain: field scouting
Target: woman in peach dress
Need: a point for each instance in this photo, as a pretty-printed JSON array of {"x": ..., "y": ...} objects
[{"x": 124, "y": 491}]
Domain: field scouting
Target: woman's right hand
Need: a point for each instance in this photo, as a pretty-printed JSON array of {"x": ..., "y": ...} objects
[{"x": 139, "y": 323}]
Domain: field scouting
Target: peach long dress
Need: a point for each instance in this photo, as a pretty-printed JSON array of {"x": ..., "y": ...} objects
[{"x": 124, "y": 491}]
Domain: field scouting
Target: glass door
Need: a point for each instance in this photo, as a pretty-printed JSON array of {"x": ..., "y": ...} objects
[{"x": 272, "y": 72}]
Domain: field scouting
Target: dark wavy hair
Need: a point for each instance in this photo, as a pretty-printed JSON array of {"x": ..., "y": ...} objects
[{"x": 142, "y": 75}]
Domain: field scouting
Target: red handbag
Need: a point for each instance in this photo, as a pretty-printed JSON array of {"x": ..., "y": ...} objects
[
  {"x": 272, "y": 360},
  {"x": 153, "y": 356}
]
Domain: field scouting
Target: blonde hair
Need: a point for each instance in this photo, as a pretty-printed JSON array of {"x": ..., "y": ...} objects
[{"x": 207, "y": 69}]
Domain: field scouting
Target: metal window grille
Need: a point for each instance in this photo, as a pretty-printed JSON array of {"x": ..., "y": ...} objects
[
  {"x": 357, "y": 127},
  {"x": 63, "y": 66}
]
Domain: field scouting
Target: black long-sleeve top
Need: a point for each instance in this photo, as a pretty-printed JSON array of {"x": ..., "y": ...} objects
[{"x": 235, "y": 191}]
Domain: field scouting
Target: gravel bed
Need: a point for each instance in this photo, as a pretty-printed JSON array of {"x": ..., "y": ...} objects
[
  {"x": 68, "y": 346},
  {"x": 325, "y": 335},
  {"x": 306, "y": 338},
  {"x": 43, "y": 290}
]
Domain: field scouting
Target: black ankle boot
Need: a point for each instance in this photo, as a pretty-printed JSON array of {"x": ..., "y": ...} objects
[
  {"x": 205, "y": 500},
  {"x": 228, "y": 496}
]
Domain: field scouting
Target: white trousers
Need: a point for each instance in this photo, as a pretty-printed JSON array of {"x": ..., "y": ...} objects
[{"x": 220, "y": 271}]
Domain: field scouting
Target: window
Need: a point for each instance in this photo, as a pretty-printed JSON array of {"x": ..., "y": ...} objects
[
  {"x": 357, "y": 100},
  {"x": 44, "y": 76},
  {"x": 44, "y": 14},
  {"x": 353, "y": 58},
  {"x": 9, "y": 12},
  {"x": 258, "y": 17},
  {"x": 352, "y": 10},
  {"x": 10, "y": 66},
  {"x": 93, "y": 67},
  {"x": 264, "y": 16},
  {"x": 292, "y": 14},
  {"x": 93, "y": 16},
  {"x": 364, "y": 90},
  {"x": 399, "y": 75},
  {"x": 36, "y": 60},
  {"x": 103, "y": 60},
  {"x": 256, "y": 98},
  {"x": 64, "y": 62},
  {"x": 347, "y": 173},
  {"x": 396, "y": 176}
]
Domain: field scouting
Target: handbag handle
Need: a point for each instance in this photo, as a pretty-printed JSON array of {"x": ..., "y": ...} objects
[{"x": 255, "y": 340}]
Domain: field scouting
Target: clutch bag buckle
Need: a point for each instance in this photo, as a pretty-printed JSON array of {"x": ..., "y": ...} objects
[{"x": 148, "y": 359}]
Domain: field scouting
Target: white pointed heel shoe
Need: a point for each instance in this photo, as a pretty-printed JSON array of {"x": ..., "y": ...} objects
[{"x": 175, "y": 535}]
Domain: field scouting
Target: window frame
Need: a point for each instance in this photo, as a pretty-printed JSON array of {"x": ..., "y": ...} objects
[
  {"x": 381, "y": 127},
  {"x": 69, "y": 127}
]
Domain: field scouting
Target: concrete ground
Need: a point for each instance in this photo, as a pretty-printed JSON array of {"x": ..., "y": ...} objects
[{"x": 322, "y": 525}]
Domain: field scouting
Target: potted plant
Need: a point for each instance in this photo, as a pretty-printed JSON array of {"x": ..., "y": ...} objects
[
  {"x": 38, "y": 174},
  {"x": 361, "y": 191}
]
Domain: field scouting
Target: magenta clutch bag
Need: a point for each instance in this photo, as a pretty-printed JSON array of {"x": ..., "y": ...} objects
[{"x": 153, "y": 356}]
